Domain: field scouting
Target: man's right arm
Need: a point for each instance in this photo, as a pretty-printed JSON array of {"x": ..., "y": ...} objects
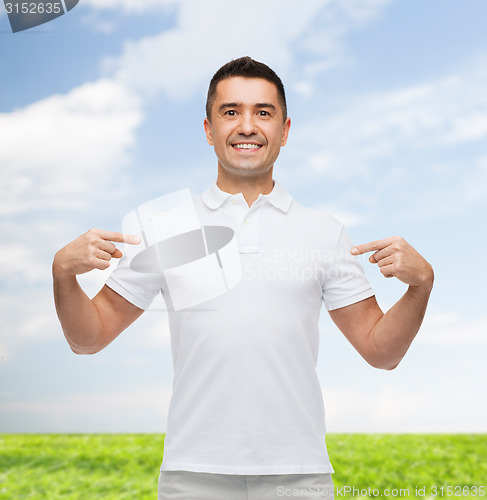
[{"x": 89, "y": 325}]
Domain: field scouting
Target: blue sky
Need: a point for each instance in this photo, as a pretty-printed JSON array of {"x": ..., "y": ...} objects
[{"x": 102, "y": 109}]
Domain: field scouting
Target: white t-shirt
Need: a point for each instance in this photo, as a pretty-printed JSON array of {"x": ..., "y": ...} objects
[{"x": 246, "y": 397}]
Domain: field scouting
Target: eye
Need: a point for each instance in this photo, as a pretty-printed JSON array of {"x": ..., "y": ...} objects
[
  {"x": 262, "y": 112},
  {"x": 231, "y": 112}
]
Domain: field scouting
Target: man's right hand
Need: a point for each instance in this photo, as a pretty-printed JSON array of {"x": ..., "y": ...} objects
[{"x": 92, "y": 250}]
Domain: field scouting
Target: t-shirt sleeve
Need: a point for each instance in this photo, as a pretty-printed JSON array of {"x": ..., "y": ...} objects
[
  {"x": 138, "y": 288},
  {"x": 345, "y": 283}
]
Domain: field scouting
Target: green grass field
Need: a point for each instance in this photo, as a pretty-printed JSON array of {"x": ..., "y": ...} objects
[{"x": 126, "y": 466}]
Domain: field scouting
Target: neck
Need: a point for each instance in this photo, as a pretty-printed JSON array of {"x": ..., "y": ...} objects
[{"x": 250, "y": 187}]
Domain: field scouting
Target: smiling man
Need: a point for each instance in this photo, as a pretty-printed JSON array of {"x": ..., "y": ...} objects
[
  {"x": 246, "y": 419},
  {"x": 247, "y": 125}
]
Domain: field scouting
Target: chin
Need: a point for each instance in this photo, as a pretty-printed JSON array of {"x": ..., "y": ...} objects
[{"x": 248, "y": 171}]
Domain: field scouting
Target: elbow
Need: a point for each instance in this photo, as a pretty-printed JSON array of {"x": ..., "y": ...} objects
[
  {"x": 79, "y": 349},
  {"x": 383, "y": 364},
  {"x": 390, "y": 367},
  {"x": 384, "y": 358},
  {"x": 82, "y": 348}
]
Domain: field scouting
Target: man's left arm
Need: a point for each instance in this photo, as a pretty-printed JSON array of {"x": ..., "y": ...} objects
[{"x": 383, "y": 339}]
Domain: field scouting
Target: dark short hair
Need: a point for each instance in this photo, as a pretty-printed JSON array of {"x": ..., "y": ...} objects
[{"x": 247, "y": 68}]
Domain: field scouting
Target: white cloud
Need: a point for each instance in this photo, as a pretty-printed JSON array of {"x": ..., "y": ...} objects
[
  {"x": 475, "y": 187},
  {"x": 28, "y": 313},
  {"x": 63, "y": 146},
  {"x": 143, "y": 410},
  {"x": 130, "y": 6},
  {"x": 212, "y": 32},
  {"x": 419, "y": 143},
  {"x": 20, "y": 263},
  {"x": 96, "y": 22},
  {"x": 103, "y": 15},
  {"x": 451, "y": 329},
  {"x": 358, "y": 11},
  {"x": 304, "y": 88},
  {"x": 396, "y": 409},
  {"x": 28, "y": 318},
  {"x": 379, "y": 126},
  {"x": 59, "y": 153}
]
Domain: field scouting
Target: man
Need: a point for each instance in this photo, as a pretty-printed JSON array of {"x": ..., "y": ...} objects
[{"x": 246, "y": 418}]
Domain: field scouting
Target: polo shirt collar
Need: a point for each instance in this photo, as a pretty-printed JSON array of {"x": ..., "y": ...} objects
[{"x": 214, "y": 197}]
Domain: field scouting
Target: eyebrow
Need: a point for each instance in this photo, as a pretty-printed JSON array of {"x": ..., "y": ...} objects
[{"x": 259, "y": 105}]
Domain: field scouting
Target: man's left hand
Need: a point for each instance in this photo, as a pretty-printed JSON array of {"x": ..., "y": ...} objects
[{"x": 397, "y": 258}]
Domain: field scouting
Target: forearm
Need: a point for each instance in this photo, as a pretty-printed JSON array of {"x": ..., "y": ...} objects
[
  {"x": 79, "y": 318},
  {"x": 392, "y": 335}
]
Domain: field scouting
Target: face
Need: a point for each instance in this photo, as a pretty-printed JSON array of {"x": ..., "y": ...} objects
[{"x": 247, "y": 128}]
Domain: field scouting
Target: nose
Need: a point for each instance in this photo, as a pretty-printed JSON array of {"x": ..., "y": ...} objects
[{"x": 246, "y": 125}]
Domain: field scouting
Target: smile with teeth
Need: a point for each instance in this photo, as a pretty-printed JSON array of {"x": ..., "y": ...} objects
[{"x": 247, "y": 146}]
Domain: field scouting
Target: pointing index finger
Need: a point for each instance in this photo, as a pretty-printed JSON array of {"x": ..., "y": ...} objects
[
  {"x": 120, "y": 237},
  {"x": 371, "y": 247}
]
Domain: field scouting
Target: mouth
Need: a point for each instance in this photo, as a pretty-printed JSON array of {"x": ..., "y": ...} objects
[{"x": 246, "y": 146}]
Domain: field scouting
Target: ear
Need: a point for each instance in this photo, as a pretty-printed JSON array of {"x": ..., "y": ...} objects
[
  {"x": 209, "y": 136},
  {"x": 285, "y": 131}
]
